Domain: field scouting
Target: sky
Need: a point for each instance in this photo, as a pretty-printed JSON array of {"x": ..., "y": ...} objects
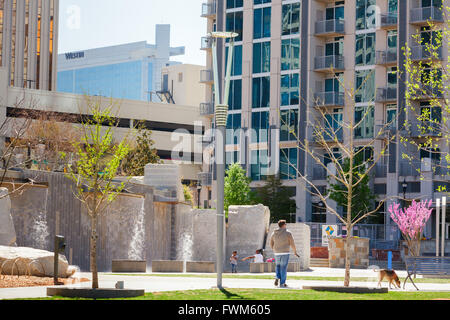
[{"x": 87, "y": 24}]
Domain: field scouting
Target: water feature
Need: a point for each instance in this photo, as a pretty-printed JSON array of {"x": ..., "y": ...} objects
[
  {"x": 137, "y": 243},
  {"x": 39, "y": 232},
  {"x": 186, "y": 244}
]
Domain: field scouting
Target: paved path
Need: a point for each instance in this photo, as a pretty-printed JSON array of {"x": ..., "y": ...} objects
[{"x": 158, "y": 283}]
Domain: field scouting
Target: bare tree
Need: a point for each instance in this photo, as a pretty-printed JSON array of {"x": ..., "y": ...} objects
[{"x": 326, "y": 133}]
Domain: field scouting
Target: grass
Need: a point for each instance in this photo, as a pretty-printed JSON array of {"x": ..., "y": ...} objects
[
  {"x": 246, "y": 276},
  {"x": 277, "y": 294}
]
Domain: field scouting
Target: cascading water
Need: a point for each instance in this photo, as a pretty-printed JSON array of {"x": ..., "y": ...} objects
[
  {"x": 185, "y": 244},
  {"x": 137, "y": 244},
  {"x": 39, "y": 229}
]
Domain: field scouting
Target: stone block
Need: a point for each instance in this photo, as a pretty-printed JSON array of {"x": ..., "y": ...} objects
[
  {"x": 359, "y": 255},
  {"x": 7, "y": 230},
  {"x": 269, "y": 267},
  {"x": 257, "y": 267},
  {"x": 293, "y": 267},
  {"x": 200, "y": 266},
  {"x": 167, "y": 266},
  {"x": 128, "y": 266}
]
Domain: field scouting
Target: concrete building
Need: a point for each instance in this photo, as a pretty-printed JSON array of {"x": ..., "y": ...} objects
[
  {"x": 128, "y": 71},
  {"x": 282, "y": 63},
  {"x": 176, "y": 129},
  {"x": 29, "y": 42}
]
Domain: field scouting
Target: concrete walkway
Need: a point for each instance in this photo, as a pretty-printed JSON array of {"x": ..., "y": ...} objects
[{"x": 181, "y": 282}]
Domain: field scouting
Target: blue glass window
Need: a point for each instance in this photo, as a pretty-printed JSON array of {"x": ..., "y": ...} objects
[
  {"x": 230, "y": 158},
  {"x": 261, "y": 23},
  {"x": 288, "y": 164},
  {"x": 289, "y": 89},
  {"x": 365, "y": 86},
  {"x": 233, "y": 126},
  {"x": 236, "y": 68},
  {"x": 290, "y": 54},
  {"x": 289, "y": 125},
  {"x": 261, "y": 57},
  {"x": 234, "y": 23},
  {"x": 259, "y": 164},
  {"x": 261, "y": 1},
  {"x": 260, "y": 126},
  {"x": 261, "y": 92},
  {"x": 365, "y": 14},
  {"x": 231, "y": 4},
  {"x": 365, "y": 49},
  {"x": 235, "y": 96},
  {"x": 290, "y": 23},
  {"x": 364, "y": 116}
]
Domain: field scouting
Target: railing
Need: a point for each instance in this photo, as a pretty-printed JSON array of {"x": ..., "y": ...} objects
[
  {"x": 386, "y": 57},
  {"x": 386, "y": 94},
  {"x": 430, "y": 91},
  {"x": 205, "y": 178},
  {"x": 208, "y": 9},
  {"x": 206, "y": 43},
  {"x": 424, "y": 52},
  {"x": 385, "y": 130},
  {"x": 388, "y": 20},
  {"x": 330, "y": 27},
  {"x": 206, "y": 109},
  {"x": 206, "y": 76},
  {"x": 422, "y": 15},
  {"x": 331, "y": 98},
  {"x": 379, "y": 234},
  {"x": 425, "y": 129},
  {"x": 329, "y": 62}
]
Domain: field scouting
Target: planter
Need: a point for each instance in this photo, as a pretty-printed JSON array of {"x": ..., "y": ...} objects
[
  {"x": 359, "y": 252},
  {"x": 129, "y": 266},
  {"x": 200, "y": 266},
  {"x": 167, "y": 266}
]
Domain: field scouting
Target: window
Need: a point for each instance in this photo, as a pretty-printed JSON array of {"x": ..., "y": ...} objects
[
  {"x": 289, "y": 89},
  {"x": 431, "y": 153},
  {"x": 318, "y": 212},
  {"x": 365, "y": 14},
  {"x": 334, "y": 13},
  {"x": 289, "y": 125},
  {"x": 230, "y": 158},
  {"x": 365, "y": 49},
  {"x": 391, "y": 113},
  {"x": 365, "y": 117},
  {"x": 392, "y": 77},
  {"x": 333, "y": 125},
  {"x": 180, "y": 77},
  {"x": 231, "y": 4},
  {"x": 430, "y": 113},
  {"x": 261, "y": 57},
  {"x": 260, "y": 126},
  {"x": 259, "y": 164},
  {"x": 393, "y": 6},
  {"x": 261, "y": 92},
  {"x": 290, "y": 54},
  {"x": 335, "y": 48},
  {"x": 256, "y": 2},
  {"x": 334, "y": 84},
  {"x": 365, "y": 86},
  {"x": 233, "y": 126},
  {"x": 234, "y": 23},
  {"x": 367, "y": 153},
  {"x": 336, "y": 155},
  {"x": 431, "y": 3},
  {"x": 236, "y": 68},
  {"x": 392, "y": 40},
  {"x": 235, "y": 95},
  {"x": 290, "y": 21},
  {"x": 261, "y": 23},
  {"x": 288, "y": 164},
  {"x": 430, "y": 37}
]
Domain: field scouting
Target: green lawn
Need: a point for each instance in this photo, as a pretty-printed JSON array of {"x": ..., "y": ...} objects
[
  {"x": 277, "y": 294},
  {"x": 233, "y": 276}
]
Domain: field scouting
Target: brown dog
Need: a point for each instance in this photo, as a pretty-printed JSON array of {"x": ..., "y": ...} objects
[{"x": 391, "y": 276}]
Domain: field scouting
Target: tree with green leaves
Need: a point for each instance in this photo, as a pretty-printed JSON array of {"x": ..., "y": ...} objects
[
  {"x": 237, "y": 187},
  {"x": 142, "y": 153},
  {"x": 99, "y": 159},
  {"x": 277, "y": 197},
  {"x": 363, "y": 197}
]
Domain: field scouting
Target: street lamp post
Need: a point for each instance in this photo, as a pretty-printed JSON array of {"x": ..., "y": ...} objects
[{"x": 221, "y": 114}]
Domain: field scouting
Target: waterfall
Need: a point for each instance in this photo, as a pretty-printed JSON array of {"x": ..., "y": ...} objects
[
  {"x": 137, "y": 244},
  {"x": 39, "y": 229}
]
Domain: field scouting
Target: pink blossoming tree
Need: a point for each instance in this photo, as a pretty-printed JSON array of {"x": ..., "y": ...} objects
[{"x": 411, "y": 222}]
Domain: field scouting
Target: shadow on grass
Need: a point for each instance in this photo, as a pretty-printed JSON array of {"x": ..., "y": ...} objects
[{"x": 230, "y": 295}]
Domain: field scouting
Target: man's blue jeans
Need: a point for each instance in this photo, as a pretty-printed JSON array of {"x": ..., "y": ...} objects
[{"x": 281, "y": 262}]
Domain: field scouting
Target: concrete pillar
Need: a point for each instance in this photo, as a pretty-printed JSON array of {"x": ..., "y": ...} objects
[{"x": 426, "y": 189}]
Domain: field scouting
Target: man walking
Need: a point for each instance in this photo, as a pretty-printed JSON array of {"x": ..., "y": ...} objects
[{"x": 281, "y": 241}]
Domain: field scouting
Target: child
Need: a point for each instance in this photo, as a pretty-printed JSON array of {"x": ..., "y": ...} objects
[
  {"x": 258, "y": 257},
  {"x": 233, "y": 262}
]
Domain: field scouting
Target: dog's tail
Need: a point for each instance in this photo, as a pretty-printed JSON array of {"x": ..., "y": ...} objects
[{"x": 374, "y": 268}]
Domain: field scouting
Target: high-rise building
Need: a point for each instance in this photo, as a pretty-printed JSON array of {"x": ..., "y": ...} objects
[
  {"x": 29, "y": 41},
  {"x": 287, "y": 56},
  {"x": 128, "y": 71}
]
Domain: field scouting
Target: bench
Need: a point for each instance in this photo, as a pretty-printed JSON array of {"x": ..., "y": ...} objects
[{"x": 424, "y": 265}]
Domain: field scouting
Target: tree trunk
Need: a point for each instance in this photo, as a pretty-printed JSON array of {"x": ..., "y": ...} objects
[
  {"x": 347, "y": 257},
  {"x": 93, "y": 261}
]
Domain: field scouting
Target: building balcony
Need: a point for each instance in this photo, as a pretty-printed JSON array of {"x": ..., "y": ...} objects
[
  {"x": 410, "y": 169},
  {"x": 206, "y": 43},
  {"x": 329, "y": 99},
  {"x": 424, "y": 52},
  {"x": 385, "y": 58},
  {"x": 330, "y": 28},
  {"x": 388, "y": 21},
  {"x": 205, "y": 179},
  {"x": 428, "y": 92},
  {"x": 385, "y": 130},
  {"x": 209, "y": 9},
  {"x": 386, "y": 94},
  {"x": 332, "y": 63},
  {"x": 206, "y": 76},
  {"x": 421, "y": 16},
  {"x": 207, "y": 109},
  {"x": 380, "y": 170}
]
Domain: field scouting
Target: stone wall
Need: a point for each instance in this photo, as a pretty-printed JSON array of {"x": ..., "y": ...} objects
[
  {"x": 7, "y": 230},
  {"x": 359, "y": 252}
]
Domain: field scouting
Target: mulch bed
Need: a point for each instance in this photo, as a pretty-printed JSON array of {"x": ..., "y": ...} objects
[{"x": 24, "y": 281}]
